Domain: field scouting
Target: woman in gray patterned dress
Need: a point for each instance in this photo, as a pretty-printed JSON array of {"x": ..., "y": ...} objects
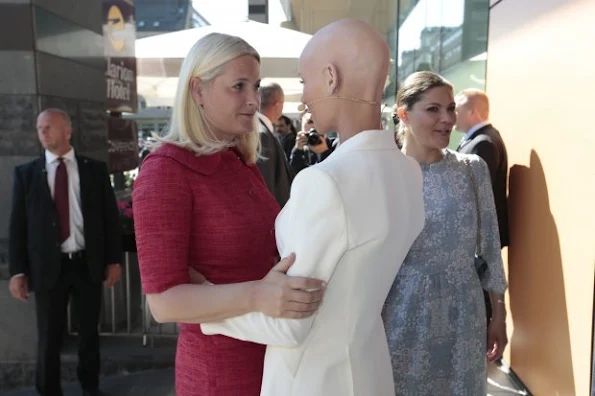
[{"x": 435, "y": 313}]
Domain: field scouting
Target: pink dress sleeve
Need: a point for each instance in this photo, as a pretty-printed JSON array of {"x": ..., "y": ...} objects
[{"x": 162, "y": 203}]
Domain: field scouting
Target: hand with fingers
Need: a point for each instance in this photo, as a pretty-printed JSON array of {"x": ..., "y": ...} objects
[
  {"x": 196, "y": 278},
  {"x": 113, "y": 273},
  {"x": 279, "y": 295},
  {"x": 497, "y": 339},
  {"x": 301, "y": 140},
  {"x": 19, "y": 287}
]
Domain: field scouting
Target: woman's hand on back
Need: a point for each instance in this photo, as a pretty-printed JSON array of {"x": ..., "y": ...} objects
[{"x": 291, "y": 297}]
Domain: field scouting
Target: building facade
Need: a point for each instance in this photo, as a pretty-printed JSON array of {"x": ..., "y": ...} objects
[
  {"x": 258, "y": 10},
  {"x": 155, "y": 17}
]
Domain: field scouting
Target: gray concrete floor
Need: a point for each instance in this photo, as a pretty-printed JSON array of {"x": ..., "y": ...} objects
[
  {"x": 500, "y": 383},
  {"x": 161, "y": 383},
  {"x": 147, "y": 383}
]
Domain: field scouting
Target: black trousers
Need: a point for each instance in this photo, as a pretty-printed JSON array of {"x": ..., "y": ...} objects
[{"x": 51, "y": 308}]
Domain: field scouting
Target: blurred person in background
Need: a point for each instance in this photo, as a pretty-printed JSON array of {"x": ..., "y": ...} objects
[
  {"x": 310, "y": 147},
  {"x": 273, "y": 163},
  {"x": 286, "y": 133},
  {"x": 481, "y": 138}
]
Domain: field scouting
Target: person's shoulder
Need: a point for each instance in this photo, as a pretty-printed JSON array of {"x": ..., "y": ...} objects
[
  {"x": 312, "y": 176},
  {"x": 263, "y": 122},
  {"x": 25, "y": 172},
  {"x": 494, "y": 135},
  {"x": 30, "y": 165},
  {"x": 96, "y": 163},
  {"x": 487, "y": 135},
  {"x": 490, "y": 128},
  {"x": 455, "y": 158},
  {"x": 409, "y": 164},
  {"x": 170, "y": 158}
]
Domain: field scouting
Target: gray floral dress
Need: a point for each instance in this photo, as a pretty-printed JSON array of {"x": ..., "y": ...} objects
[{"x": 435, "y": 313}]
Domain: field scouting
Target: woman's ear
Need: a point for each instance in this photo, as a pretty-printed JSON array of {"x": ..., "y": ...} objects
[
  {"x": 197, "y": 90},
  {"x": 332, "y": 78},
  {"x": 403, "y": 116}
]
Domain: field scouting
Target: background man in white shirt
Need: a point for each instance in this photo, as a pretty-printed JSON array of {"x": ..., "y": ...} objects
[{"x": 64, "y": 241}]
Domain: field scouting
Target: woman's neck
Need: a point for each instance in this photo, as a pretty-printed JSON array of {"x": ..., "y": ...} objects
[{"x": 424, "y": 156}]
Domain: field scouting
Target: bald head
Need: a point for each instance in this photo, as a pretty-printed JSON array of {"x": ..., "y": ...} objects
[
  {"x": 473, "y": 107},
  {"x": 347, "y": 61},
  {"x": 54, "y": 130},
  {"x": 271, "y": 101},
  {"x": 478, "y": 99},
  {"x": 59, "y": 113}
]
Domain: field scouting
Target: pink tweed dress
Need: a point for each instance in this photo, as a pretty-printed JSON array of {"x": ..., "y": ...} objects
[{"x": 213, "y": 213}]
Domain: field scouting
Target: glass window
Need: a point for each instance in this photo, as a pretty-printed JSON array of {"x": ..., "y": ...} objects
[
  {"x": 448, "y": 37},
  {"x": 391, "y": 84}
]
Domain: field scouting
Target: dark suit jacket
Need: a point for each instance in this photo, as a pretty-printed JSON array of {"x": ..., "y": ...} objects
[
  {"x": 34, "y": 237},
  {"x": 487, "y": 143},
  {"x": 287, "y": 143},
  {"x": 274, "y": 166}
]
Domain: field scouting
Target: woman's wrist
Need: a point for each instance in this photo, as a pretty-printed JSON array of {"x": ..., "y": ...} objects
[
  {"x": 498, "y": 313},
  {"x": 498, "y": 308},
  {"x": 498, "y": 318},
  {"x": 252, "y": 294}
]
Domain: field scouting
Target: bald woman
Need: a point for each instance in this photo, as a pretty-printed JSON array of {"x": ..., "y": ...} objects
[{"x": 350, "y": 221}]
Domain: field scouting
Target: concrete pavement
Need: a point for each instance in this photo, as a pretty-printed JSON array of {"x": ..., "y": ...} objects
[
  {"x": 161, "y": 383},
  {"x": 146, "y": 383}
]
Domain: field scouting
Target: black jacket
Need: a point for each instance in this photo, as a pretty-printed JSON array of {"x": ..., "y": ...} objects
[
  {"x": 274, "y": 166},
  {"x": 487, "y": 143},
  {"x": 34, "y": 237}
]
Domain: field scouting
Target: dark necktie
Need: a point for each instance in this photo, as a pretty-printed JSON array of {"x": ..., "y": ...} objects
[{"x": 61, "y": 200}]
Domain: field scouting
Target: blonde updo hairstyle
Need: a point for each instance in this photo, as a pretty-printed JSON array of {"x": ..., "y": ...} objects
[
  {"x": 188, "y": 126},
  {"x": 412, "y": 91}
]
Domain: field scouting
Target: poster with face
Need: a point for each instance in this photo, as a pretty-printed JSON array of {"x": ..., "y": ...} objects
[{"x": 119, "y": 33}]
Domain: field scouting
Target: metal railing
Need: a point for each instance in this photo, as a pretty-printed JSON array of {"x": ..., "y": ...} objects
[{"x": 125, "y": 311}]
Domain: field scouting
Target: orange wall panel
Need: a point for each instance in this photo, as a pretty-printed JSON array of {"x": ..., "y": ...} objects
[{"x": 541, "y": 83}]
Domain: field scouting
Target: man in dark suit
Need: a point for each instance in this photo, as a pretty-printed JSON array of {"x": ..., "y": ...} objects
[
  {"x": 286, "y": 133},
  {"x": 64, "y": 242},
  {"x": 481, "y": 138},
  {"x": 273, "y": 165}
]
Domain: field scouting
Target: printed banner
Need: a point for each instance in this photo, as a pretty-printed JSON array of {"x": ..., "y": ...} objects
[
  {"x": 122, "y": 138},
  {"x": 119, "y": 34}
]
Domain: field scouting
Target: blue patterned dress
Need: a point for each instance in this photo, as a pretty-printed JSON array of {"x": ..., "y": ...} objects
[{"x": 435, "y": 313}]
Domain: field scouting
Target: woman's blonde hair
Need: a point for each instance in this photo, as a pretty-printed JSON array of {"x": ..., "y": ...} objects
[
  {"x": 188, "y": 126},
  {"x": 411, "y": 92}
]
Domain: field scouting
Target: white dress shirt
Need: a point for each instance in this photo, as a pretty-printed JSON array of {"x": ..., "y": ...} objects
[
  {"x": 267, "y": 122},
  {"x": 76, "y": 239}
]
